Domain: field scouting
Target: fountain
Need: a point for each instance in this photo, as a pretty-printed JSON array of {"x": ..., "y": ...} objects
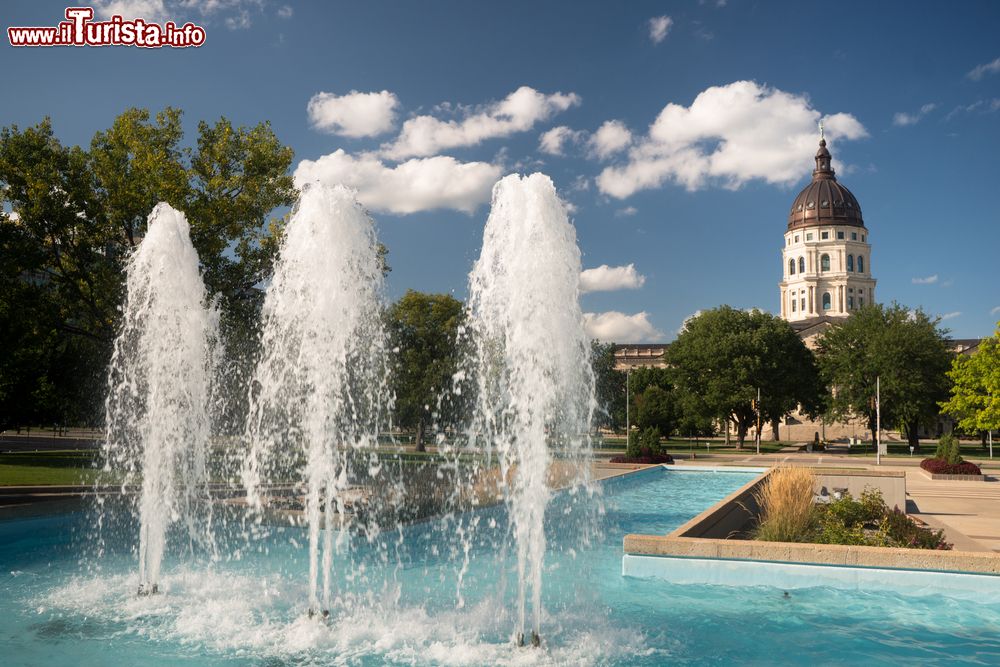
[
  {"x": 159, "y": 383},
  {"x": 319, "y": 387},
  {"x": 533, "y": 378}
]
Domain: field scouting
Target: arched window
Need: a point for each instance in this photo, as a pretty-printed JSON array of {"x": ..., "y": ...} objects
[
  {"x": 791, "y": 267},
  {"x": 802, "y": 264},
  {"x": 824, "y": 263},
  {"x": 861, "y": 264},
  {"x": 850, "y": 262},
  {"x": 826, "y": 301}
]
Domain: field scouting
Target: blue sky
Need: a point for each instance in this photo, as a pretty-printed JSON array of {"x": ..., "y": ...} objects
[{"x": 678, "y": 132}]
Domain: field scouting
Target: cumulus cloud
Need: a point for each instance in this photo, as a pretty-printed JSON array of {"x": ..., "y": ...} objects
[
  {"x": 616, "y": 327},
  {"x": 151, "y": 10},
  {"x": 235, "y": 14},
  {"x": 355, "y": 114},
  {"x": 611, "y": 137},
  {"x": 285, "y": 12},
  {"x": 518, "y": 112},
  {"x": 415, "y": 185},
  {"x": 979, "y": 71},
  {"x": 610, "y": 278},
  {"x": 729, "y": 135},
  {"x": 554, "y": 141},
  {"x": 902, "y": 118},
  {"x": 951, "y": 315},
  {"x": 929, "y": 280},
  {"x": 626, "y": 212},
  {"x": 659, "y": 26}
]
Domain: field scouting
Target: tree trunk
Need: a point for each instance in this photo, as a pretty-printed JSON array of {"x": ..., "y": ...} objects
[
  {"x": 774, "y": 429},
  {"x": 741, "y": 433},
  {"x": 420, "y": 436},
  {"x": 913, "y": 437}
]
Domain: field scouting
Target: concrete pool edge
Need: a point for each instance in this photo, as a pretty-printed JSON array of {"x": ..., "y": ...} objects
[{"x": 785, "y": 575}]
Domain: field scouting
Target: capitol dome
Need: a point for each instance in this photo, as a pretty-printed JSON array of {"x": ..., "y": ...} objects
[{"x": 824, "y": 201}]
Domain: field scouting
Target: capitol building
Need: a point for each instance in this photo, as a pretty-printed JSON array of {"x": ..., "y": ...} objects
[
  {"x": 826, "y": 259},
  {"x": 826, "y": 274}
]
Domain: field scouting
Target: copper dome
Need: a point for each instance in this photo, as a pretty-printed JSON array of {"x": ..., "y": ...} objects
[{"x": 825, "y": 201}]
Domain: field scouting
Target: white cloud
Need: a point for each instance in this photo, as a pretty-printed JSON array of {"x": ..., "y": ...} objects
[
  {"x": 979, "y": 106},
  {"x": 415, "y": 185},
  {"x": 948, "y": 316},
  {"x": 929, "y": 280},
  {"x": 685, "y": 321},
  {"x": 239, "y": 21},
  {"x": 554, "y": 141},
  {"x": 285, "y": 12},
  {"x": 355, "y": 114},
  {"x": 979, "y": 71},
  {"x": 151, "y": 10},
  {"x": 626, "y": 212},
  {"x": 729, "y": 135},
  {"x": 616, "y": 327},
  {"x": 518, "y": 112},
  {"x": 610, "y": 278},
  {"x": 995, "y": 311},
  {"x": 903, "y": 118},
  {"x": 659, "y": 26},
  {"x": 611, "y": 137}
]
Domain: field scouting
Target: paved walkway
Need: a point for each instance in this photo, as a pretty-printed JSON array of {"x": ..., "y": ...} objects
[{"x": 969, "y": 512}]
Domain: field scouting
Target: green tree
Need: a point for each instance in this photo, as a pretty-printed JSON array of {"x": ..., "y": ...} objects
[
  {"x": 424, "y": 328},
  {"x": 975, "y": 390},
  {"x": 904, "y": 349},
  {"x": 77, "y": 214},
  {"x": 655, "y": 408},
  {"x": 609, "y": 386},
  {"x": 652, "y": 401},
  {"x": 723, "y": 356}
]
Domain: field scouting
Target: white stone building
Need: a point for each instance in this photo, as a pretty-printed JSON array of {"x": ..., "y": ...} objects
[{"x": 826, "y": 259}]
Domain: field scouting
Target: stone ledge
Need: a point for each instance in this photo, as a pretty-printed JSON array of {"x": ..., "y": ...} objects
[
  {"x": 814, "y": 554},
  {"x": 953, "y": 478}
]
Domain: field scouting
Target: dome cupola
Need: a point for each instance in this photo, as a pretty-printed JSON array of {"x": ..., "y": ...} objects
[{"x": 825, "y": 201}]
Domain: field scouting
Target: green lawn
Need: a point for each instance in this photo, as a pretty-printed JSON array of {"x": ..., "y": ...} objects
[
  {"x": 35, "y": 475},
  {"x": 69, "y": 467},
  {"x": 969, "y": 450},
  {"x": 686, "y": 445}
]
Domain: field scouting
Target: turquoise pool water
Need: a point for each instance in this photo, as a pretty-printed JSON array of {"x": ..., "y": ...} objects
[{"x": 413, "y": 597}]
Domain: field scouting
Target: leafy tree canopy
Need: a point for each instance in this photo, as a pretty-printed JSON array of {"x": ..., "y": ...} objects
[
  {"x": 975, "y": 393},
  {"x": 424, "y": 328},
  {"x": 904, "y": 348},
  {"x": 724, "y": 355}
]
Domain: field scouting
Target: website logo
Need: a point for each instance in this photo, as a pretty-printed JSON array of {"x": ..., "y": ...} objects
[{"x": 79, "y": 29}]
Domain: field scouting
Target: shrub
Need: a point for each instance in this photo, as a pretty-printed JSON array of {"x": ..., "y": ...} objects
[
  {"x": 644, "y": 447},
  {"x": 649, "y": 441},
  {"x": 944, "y": 446},
  {"x": 937, "y": 466},
  {"x": 869, "y": 522},
  {"x": 633, "y": 448},
  {"x": 955, "y": 452},
  {"x": 786, "y": 505},
  {"x": 659, "y": 458}
]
